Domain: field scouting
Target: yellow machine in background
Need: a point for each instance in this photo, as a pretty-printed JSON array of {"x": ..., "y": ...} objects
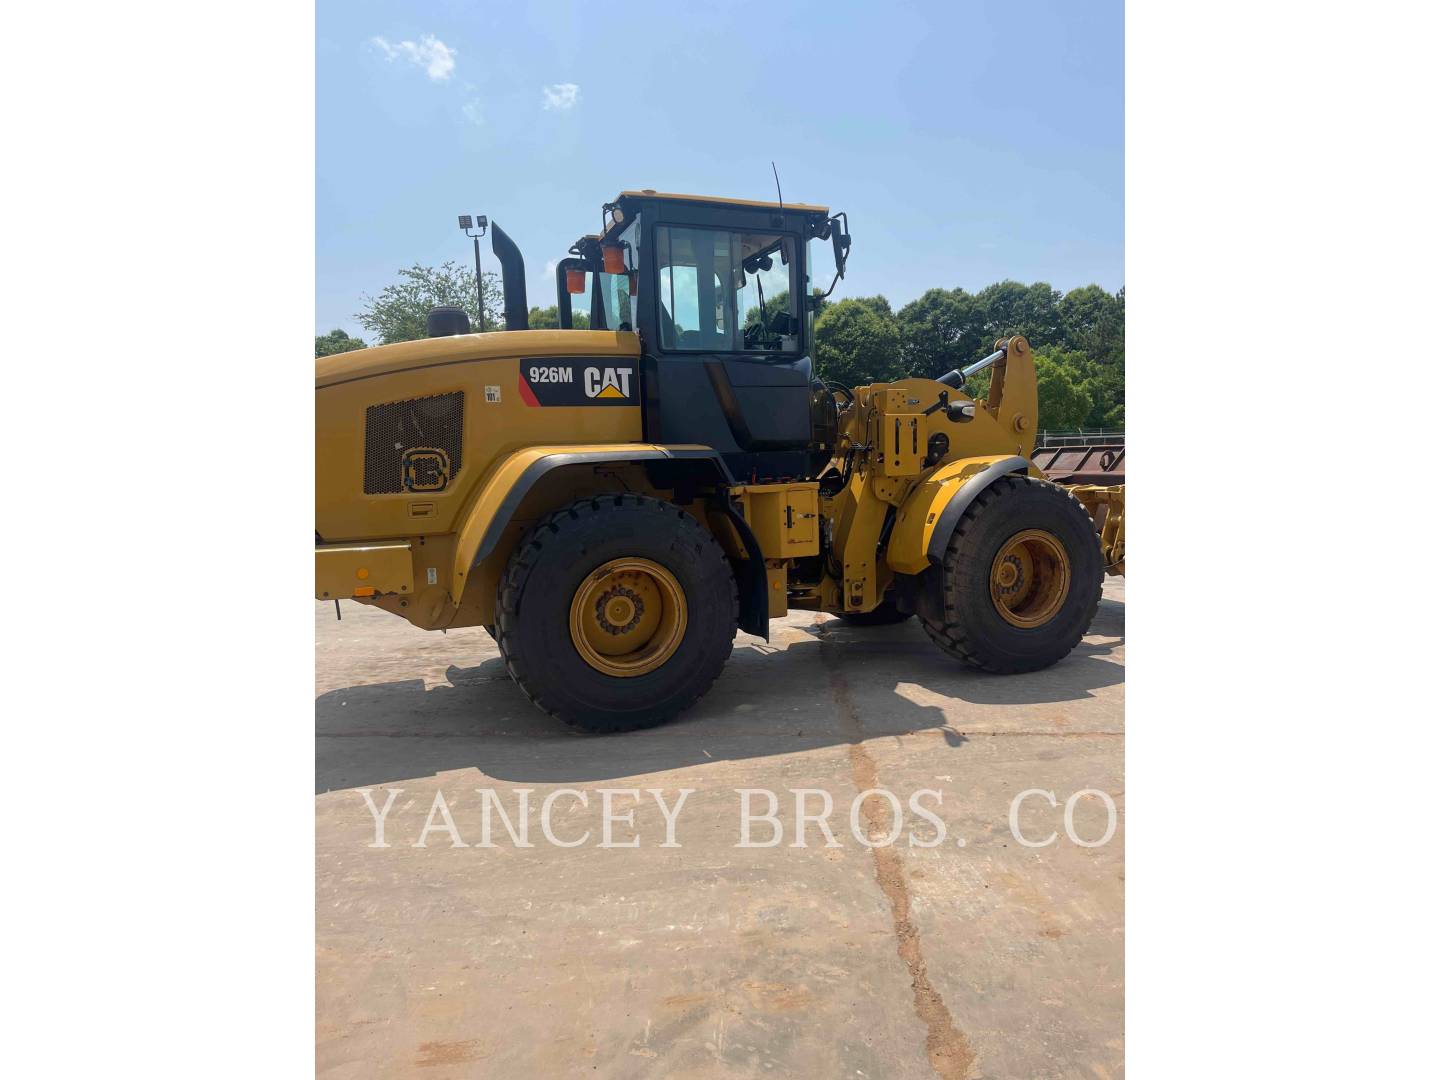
[{"x": 613, "y": 503}]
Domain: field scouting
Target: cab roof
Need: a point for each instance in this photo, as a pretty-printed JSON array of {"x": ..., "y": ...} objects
[{"x": 715, "y": 200}]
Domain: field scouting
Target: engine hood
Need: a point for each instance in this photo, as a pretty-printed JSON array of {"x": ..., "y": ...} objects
[{"x": 428, "y": 352}]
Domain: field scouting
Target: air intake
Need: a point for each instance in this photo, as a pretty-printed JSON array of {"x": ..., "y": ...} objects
[
  {"x": 446, "y": 321},
  {"x": 414, "y": 445}
]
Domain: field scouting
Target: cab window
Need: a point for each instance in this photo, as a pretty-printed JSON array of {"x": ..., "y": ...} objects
[{"x": 726, "y": 291}]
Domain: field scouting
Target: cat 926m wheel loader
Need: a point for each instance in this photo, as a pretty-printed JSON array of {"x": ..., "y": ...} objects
[{"x": 613, "y": 503}]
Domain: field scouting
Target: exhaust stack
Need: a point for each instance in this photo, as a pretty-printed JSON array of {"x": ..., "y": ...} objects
[{"x": 512, "y": 276}]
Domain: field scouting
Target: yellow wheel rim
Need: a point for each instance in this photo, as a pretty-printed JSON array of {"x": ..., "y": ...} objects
[
  {"x": 628, "y": 617},
  {"x": 1030, "y": 578}
]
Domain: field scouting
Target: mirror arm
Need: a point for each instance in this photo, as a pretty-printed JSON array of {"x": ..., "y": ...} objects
[{"x": 838, "y": 230}]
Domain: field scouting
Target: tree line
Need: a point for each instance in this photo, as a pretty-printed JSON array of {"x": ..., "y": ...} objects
[{"x": 1078, "y": 336}]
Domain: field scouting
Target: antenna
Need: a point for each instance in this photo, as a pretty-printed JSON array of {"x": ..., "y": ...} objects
[{"x": 778, "y": 196}]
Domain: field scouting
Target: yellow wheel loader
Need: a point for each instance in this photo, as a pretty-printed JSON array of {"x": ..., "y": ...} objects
[{"x": 612, "y": 504}]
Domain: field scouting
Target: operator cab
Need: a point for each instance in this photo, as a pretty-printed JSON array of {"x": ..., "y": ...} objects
[{"x": 720, "y": 293}]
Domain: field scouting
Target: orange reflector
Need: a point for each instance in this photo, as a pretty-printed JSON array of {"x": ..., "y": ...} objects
[
  {"x": 614, "y": 260},
  {"x": 575, "y": 281},
  {"x": 362, "y": 573},
  {"x": 364, "y": 590}
]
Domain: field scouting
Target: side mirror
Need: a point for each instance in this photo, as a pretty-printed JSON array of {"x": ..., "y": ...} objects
[
  {"x": 840, "y": 242},
  {"x": 836, "y": 229}
]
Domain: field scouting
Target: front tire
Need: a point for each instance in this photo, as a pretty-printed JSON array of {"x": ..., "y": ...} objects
[
  {"x": 1020, "y": 579},
  {"x": 616, "y": 612}
]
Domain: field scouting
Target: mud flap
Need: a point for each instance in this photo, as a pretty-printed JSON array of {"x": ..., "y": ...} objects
[
  {"x": 921, "y": 594},
  {"x": 750, "y": 578}
]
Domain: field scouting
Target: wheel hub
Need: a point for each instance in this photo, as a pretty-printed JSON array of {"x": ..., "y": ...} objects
[
  {"x": 1030, "y": 578},
  {"x": 619, "y": 610},
  {"x": 628, "y": 617},
  {"x": 1011, "y": 575}
]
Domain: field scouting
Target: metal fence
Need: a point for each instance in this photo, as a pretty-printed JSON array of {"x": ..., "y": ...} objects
[{"x": 1047, "y": 439}]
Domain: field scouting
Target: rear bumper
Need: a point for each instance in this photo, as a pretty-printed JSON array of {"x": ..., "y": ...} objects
[{"x": 370, "y": 568}]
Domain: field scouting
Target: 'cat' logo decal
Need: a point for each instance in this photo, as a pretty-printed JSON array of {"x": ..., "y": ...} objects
[
  {"x": 565, "y": 382},
  {"x": 607, "y": 382}
]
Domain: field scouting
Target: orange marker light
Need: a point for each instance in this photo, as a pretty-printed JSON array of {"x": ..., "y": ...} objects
[
  {"x": 362, "y": 573},
  {"x": 575, "y": 281},
  {"x": 614, "y": 260},
  {"x": 364, "y": 590}
]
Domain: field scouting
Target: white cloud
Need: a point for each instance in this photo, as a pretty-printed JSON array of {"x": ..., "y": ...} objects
[
  {"x": 560, "y": 96},
  {"x": 437, "y": 58},
  {"x": 550, "y": 265},
  {"x": 474, "y": 112}
]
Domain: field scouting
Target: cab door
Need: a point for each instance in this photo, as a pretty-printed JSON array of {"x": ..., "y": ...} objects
[{"x": 730, "y": 364}]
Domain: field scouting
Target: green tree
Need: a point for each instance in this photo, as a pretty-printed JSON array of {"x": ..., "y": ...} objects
[
  {"x": 858, "y": 342},
  {"x": 337, "y": 341},
  {"x": 1065, "y": 401},
  {"x": 940, "y": 331},
  {"x": 549, "y": 318},
  {"x": 1102, "y": 381},
  {"x": 877, "y": 304},
  {"x": 1106, "y": 386},
  {"x": 399, "y": 312},
  {"x": 1013, "y": 308},
  {"x": 1092, "y": 321}
]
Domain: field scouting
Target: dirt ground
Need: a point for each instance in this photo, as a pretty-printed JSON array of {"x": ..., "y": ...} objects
[{"x": 983, "y": 959}]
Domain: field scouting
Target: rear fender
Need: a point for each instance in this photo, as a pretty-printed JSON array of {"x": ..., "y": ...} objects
[
  {"x": 500, "y": 495},
  {"x": 928, "y": 517}
]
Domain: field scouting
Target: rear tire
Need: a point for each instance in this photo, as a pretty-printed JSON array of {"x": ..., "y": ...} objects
[
  {"x": 683, "y": 612},
  {"x": 884, "y": 614},
  {"x": 1021, "y": 578}
]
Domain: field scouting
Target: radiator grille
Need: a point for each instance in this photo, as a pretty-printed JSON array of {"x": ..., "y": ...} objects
[{"x": 391, "y": 431}]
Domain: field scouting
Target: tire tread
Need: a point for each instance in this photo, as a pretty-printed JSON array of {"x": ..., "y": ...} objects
[
  {"x": 952, "y": 634},
  {"x": 522, "y": 563}
]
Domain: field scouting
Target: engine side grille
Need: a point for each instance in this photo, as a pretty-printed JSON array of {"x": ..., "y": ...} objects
[{"x": 393, "y": 430}]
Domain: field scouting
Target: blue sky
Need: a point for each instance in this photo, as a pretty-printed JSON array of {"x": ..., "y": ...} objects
[{"x": 968, "y": 141}]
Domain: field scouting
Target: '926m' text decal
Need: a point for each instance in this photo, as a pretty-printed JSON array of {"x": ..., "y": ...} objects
[{"x": 579, "y": 382}]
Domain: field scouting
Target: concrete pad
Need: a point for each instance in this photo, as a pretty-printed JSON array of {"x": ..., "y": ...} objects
[{"x": 992, "y": 959}]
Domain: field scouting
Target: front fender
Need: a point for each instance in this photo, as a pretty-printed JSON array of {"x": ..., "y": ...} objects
[{"x": 931, "y": 511}]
